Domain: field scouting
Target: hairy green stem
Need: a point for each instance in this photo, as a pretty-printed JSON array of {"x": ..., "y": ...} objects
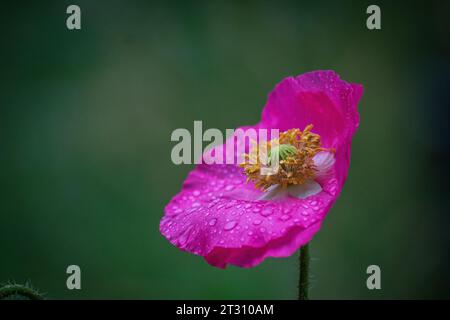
[
  {"x": 303, "y": 280},
  {"x": 11, "y": 290}
]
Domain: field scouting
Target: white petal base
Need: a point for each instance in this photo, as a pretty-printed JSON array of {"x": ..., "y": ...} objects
[
  {"x": 302, "y": 191},
  {"x": 324, "y": 162},
  {"x": 274, "y": 192}
]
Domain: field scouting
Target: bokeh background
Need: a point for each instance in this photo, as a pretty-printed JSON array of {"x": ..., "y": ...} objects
[{"x": 85, "y": 125}]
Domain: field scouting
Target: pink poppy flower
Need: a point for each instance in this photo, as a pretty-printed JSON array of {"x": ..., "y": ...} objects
[{"x": 228, "y": 220}]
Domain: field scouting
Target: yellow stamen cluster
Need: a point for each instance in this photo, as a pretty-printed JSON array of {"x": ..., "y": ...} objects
[{"x": 296, "y": 165}]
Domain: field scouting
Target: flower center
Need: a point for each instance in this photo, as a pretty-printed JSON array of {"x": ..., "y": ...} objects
[
  {"x": 295, "y": 150},
  {"x": 281, "y": 152}
]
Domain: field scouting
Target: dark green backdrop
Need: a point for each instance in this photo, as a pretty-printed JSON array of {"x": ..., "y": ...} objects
[{"x": 85, "y": 125}]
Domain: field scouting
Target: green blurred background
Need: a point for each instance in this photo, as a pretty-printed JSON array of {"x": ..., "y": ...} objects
[{"x": 85, "y": 125}]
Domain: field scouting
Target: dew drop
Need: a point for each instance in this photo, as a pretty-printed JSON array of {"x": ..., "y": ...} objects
[
  {"x": 266, "y": 212},
  {"x": 230, "y": 225},
  {"x": 285, "y": 217},
  {"x": 257, "y": 221},
  {"x": 229, "y": 188},
  {"x": 196, "y": 193},
  {"x": 190, "y": 210},
  {"x": 183, "y": 239},
  {"x": 213, "y": 221},
  {"x": 230, "y": 204}
]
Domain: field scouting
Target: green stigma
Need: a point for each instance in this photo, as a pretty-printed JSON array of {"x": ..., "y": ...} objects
[{"x": 281, "y": 152}]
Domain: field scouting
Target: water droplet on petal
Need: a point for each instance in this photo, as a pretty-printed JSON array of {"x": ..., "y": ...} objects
[
  {"x": 285, "y": 217},
  {"x": 229, "y": 188},
  {"x": 190, "y": 210},
  {"x": 212, "y": 221},
  {"x": 256, "y": 222},
  {"x": 182, "y": 239},
  {"x": 196, "y": 193},
  {"x": 230, "y": 225},
  {"x": 230, "y": 204},
  {"x": 266, "y": 212}
]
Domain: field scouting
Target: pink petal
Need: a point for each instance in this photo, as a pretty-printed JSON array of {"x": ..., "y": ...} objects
[
  {"x": 320, "y": 98},
  {"x": 218, "y": 216}
]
